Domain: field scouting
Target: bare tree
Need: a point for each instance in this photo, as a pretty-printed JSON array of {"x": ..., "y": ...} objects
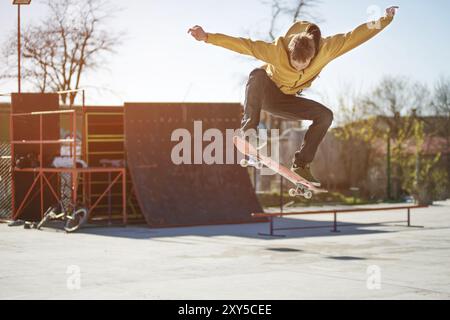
[
  {"x": 395, "y": 97},
  {"x": 441, "y": 104},
  {"x": 71, "y": 40},
  {"x": 289, "y": 10},
  {"x": 355, "y": 132}
]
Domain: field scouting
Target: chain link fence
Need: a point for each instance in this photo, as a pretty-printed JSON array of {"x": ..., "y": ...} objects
[{"x": 5, "y": 180}]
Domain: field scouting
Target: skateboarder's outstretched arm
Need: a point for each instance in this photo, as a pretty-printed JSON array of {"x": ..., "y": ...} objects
[
  {"x": 261, "y": 50},
  {"x": 342, "y": 43}
]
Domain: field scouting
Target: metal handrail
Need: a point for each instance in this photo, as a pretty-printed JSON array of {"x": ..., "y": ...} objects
[{"x": 279, "y": 214}]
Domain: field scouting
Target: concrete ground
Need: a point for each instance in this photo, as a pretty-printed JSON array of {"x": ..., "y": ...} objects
[{"x": 233, "y": 261}]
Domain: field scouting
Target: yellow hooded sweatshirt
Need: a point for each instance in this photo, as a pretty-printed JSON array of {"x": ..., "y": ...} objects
[{"x": 276, "y": 55}]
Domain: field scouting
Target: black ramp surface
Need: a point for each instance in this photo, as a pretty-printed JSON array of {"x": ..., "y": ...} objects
[{"x": 185, "y": 194}]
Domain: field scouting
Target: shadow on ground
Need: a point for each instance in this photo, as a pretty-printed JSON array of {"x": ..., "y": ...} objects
[{"x": 251, "y": 230}]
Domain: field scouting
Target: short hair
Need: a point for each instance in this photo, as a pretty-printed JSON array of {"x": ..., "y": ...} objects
[{"x": 302, "y": 47}]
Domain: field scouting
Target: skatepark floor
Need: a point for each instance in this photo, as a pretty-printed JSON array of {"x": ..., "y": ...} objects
[{"x": 233, "y": 262}]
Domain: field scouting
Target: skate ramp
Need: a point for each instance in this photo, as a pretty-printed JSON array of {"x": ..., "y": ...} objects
[{"x": 185, "y": 194}]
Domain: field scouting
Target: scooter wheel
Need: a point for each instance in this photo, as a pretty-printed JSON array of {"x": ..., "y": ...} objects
[
  {"x": 259, "y": 165},
  {"x": 244, "y": 163},
  {"x": 292, "y": 192},
  {"x": 308, "y": 194}
]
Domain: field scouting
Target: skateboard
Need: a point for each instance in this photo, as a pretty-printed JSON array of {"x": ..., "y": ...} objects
[{"x": 302, "y": 186}]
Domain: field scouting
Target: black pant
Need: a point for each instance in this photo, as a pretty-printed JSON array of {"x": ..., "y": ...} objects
[{"x": 262, "y": 93}]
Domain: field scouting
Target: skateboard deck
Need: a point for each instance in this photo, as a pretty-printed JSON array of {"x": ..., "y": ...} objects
[{"x": 302, "y": 186}]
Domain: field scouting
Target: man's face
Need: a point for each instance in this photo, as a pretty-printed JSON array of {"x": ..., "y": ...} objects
[{"x": 299, "y": 66}]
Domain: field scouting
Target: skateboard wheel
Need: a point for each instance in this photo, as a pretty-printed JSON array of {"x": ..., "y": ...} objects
[
  {"x": 244, "y": 163},
  {"x": 259, "y": 165},
  {"x": 292, "y": 192},
  {"x": 308, "y": 194}
]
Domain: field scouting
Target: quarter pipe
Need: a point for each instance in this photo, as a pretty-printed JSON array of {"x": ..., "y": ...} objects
[{"x": 184, "y": 194}]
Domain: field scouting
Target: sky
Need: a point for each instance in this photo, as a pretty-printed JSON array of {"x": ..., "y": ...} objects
[{"x": 160, "y": 62}]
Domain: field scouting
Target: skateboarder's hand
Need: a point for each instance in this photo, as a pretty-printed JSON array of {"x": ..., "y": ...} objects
[
  {"x": 198, "y": 33},
  {"x": 390, "y": 12}
]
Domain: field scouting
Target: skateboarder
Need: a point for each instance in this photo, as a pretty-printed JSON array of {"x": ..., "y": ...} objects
[{"x": 292, "y": 63}]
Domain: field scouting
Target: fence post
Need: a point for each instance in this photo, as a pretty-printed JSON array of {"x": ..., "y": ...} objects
[
  {"x": 281, "y": 193},
  {"x": 409, "y": 217},
  {"x": 271, "y": 225},
  {"x": 335, "y": 222}
]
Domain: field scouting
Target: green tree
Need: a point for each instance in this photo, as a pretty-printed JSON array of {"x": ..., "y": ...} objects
[
  {"x": 397, "y": 102},
  {"x": 441, "y": 122},
  {"x": 422, "y": 178}
]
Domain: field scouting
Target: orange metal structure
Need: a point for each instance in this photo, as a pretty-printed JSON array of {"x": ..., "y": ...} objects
[{"x": 80, "y": 177}]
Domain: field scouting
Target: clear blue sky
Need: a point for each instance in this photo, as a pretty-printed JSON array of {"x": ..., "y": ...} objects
[{"x": 159, "y": 61}]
